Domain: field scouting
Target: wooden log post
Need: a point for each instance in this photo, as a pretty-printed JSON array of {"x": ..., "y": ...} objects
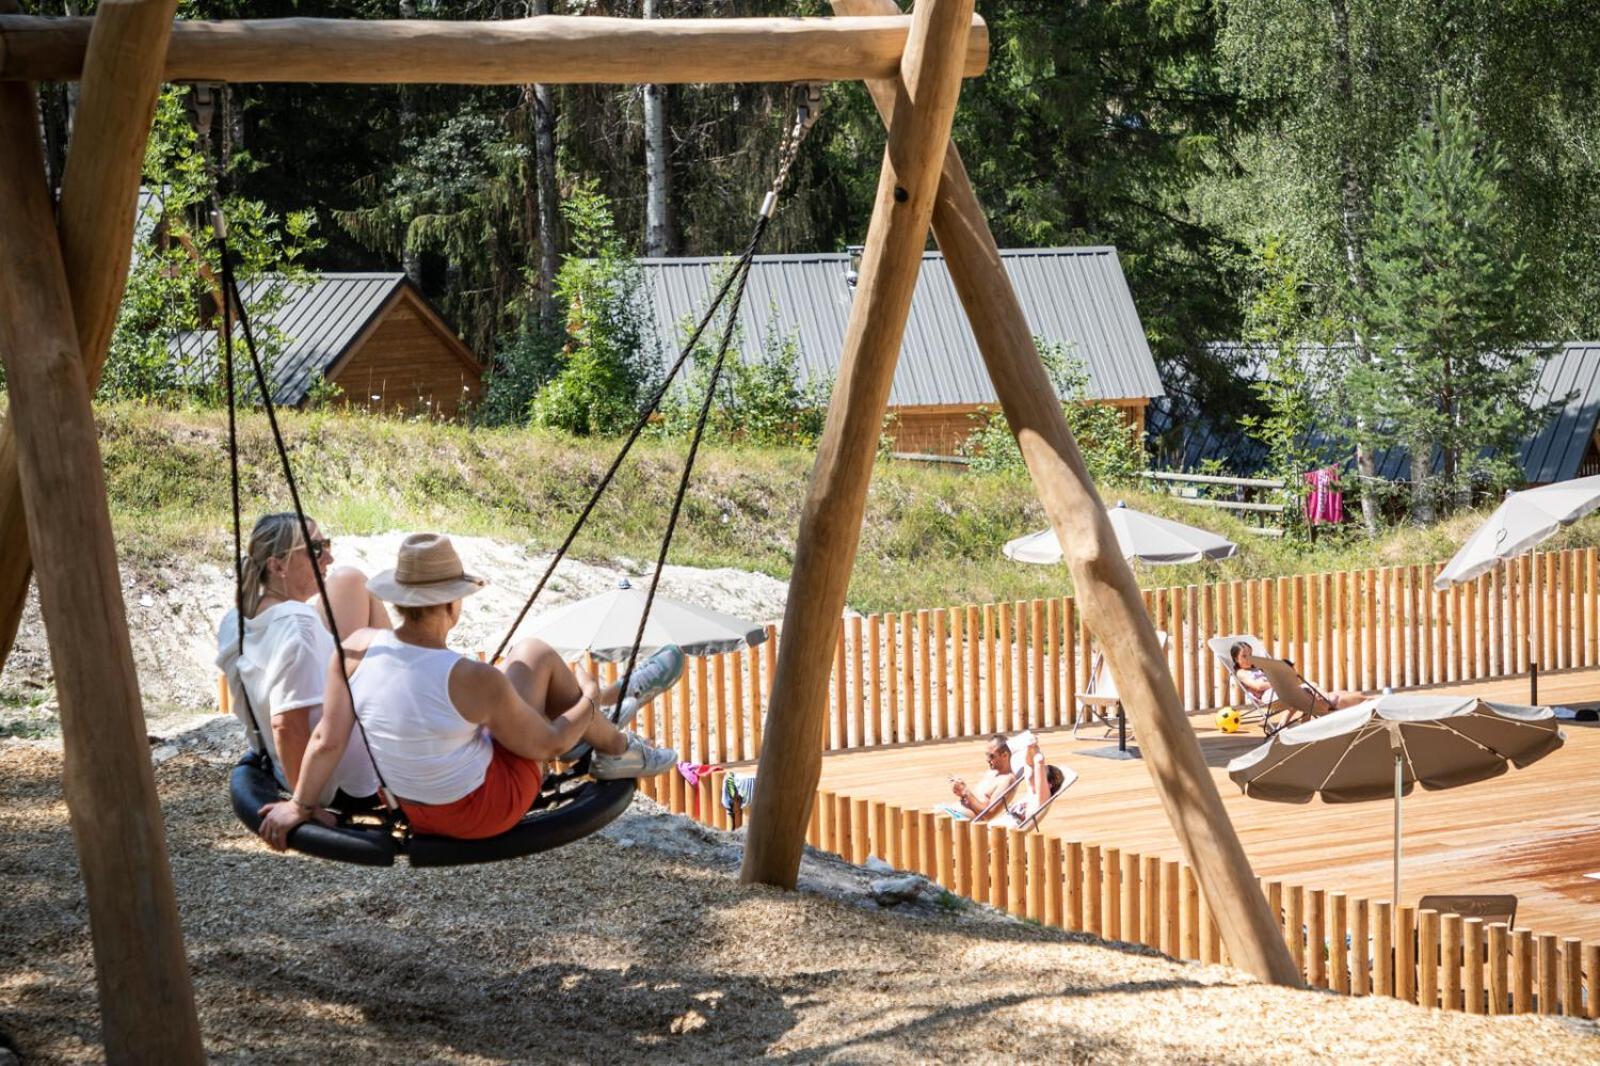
[
  {"x": 1572, "y": 977},
  {"x": 1472, "y": 948},
  {"x": 1383, "y": 960},
  {"x": 1450, "y": 961},
  {"x": 146, "y": 999},
  {"x": 1428, "y": 957},
  {"x": 1591, "y": 978},
  {"x": 830, "y": 523},
  {"x": 1499, "y": 980},
  {"x": 99, "y": 198},
  {"x": 1360, "y": 948},
  {"x": 1106, "y": 589},
  {"x": 552, "y": 49}
]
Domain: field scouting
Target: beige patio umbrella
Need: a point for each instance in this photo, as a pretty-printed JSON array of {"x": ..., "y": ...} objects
[
  {"x": 604, "y": 626},
  {"x": 1388, "y": 745},
  {"x": 1142, "y": 537},
  {"x": 1519, "y": 524},
  {"x": 1522, "y": 522}
]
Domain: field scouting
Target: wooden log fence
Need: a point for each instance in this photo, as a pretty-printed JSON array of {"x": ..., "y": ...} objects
[
  {"x": 1351, "y": 945},
  {"x": 976, "y": 669}
]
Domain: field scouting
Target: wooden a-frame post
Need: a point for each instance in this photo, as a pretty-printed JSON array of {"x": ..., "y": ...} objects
[
  {"x": 830, "y": 523},
  {"x": 58, "y": 296},
  {"x": 1107, "y": 591}
]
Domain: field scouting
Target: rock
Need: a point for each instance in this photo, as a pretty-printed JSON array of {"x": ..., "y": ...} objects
[
  {"x": 877, "y": 865},
  {"x": 893, "y": 891},
  {"x": 688, "y": 1022}
]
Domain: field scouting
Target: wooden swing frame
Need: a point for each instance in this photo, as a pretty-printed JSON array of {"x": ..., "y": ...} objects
[{"x": 62, "y": 281}]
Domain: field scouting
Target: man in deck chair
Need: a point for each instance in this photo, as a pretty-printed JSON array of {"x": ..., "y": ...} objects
[{"x": 1017, "y": 787}]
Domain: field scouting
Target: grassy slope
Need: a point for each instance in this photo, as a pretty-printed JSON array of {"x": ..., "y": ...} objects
[{"x": 932, "y": 536}]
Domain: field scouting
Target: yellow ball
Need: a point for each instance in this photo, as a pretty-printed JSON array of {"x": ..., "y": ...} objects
[{"x": 1228, "y": 720}]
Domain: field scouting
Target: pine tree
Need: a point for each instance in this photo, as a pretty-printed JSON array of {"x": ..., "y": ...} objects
[{"x": 1453, "y": 323}]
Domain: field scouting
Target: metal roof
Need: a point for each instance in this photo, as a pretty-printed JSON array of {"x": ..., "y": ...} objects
[
  {"x": 1074, "y": 296},
  {"x": 1568, "y": 385},
  {"x": 317, "y": 322}
]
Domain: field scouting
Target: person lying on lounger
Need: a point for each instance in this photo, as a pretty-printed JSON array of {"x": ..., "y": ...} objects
[
  {"x": 1017, "y": 783},
  {"x": 1254, "y": 680}
]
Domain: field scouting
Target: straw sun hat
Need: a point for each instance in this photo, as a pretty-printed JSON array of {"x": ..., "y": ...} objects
[{"x": 427, "y": 571}]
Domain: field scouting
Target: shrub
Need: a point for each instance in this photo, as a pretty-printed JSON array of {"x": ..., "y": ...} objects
[
  {"x": 604, "y": 367},
  {"x": 1112, "y": 447},
  {"x": 759, "y": 401}
]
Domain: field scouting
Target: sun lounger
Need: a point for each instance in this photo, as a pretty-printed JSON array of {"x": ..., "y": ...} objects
[
  {"x": 1293, "y": 696},
  {"x": 1100, "y": 700},
  {"x": 1068, "y": 778}
]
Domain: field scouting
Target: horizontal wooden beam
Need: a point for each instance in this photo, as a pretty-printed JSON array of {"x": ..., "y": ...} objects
[{"x": 551, "y": 49}]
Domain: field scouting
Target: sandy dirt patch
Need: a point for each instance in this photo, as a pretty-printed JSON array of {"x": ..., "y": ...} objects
[{"x": 639, "y": 943}]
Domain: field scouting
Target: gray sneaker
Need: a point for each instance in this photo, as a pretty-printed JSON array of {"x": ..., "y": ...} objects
[
  {"x": 656, "y": 674},
  {"x": 650, "y": 679},
  {"x": 641, "y": 759}
]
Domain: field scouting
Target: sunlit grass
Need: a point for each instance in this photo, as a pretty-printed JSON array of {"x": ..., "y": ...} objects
[{"x": 931, "y": 535}]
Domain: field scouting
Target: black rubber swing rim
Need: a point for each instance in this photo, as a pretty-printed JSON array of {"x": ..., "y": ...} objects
[{"x": 596, "y": 804}]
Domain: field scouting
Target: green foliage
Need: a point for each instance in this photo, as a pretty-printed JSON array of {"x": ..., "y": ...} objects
[
  {"x": 605, "y": 365},
  {"x": 761, "y": 401},
  {"x": 524, "y": 362},
  {"x": 1453, "y": 321},
  {"x": 1291, "y": 339},
  {"x": 1112, "y": 447},
  {"x": 176, "y": 252}
]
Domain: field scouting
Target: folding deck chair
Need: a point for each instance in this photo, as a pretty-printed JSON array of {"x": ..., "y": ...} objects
[
  {"x": 1100, "y": 699},
  {"x": 1068, "y": 778},
  {"x": 1293, "y": 695}
]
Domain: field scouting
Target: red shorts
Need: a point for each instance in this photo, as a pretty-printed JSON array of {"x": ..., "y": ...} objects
[{"x": 510, "y": 785}]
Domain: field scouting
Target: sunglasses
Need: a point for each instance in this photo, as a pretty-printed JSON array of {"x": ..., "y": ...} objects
[{"x": 319, "y": 547}]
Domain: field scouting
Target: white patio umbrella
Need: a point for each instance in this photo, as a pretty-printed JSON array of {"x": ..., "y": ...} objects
[
  {"x": 1142, "y": 537},
  {"x": 1388, "y": 745},
  {"x": 604, "y": 626},
  {"x": 1522, "y": 521}
]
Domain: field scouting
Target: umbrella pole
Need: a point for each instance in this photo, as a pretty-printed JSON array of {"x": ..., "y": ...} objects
[{"x": 1397, "y": 787}]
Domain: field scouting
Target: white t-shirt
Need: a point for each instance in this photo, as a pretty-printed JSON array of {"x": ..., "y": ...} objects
[{"x": 285, "y": 668}]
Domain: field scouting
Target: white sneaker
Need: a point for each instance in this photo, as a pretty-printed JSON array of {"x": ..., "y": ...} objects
[{"x": 640, "y": 759}]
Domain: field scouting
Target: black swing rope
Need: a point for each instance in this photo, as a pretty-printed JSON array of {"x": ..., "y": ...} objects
[
  {"x": 806, "y": 114},
  {"x": 232, "y": 297},
  {"x": 735, "y": 282}
]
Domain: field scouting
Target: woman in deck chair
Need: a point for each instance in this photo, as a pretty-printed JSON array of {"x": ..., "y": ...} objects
[{"x": 1254, "y": 680}]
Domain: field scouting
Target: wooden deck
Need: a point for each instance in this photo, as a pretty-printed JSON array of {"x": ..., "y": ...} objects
[{"x": 1534, "y": 833}]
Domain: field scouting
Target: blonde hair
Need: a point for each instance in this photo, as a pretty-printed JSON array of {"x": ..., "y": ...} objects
[{"x": 275, "y": 536}]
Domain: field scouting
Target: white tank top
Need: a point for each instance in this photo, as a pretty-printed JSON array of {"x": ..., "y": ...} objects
[{"x": 425, "y": 750}]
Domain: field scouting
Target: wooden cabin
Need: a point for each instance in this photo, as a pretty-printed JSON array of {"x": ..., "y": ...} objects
[
  {"x": 373, "y": 337},
  {"x": 1075, "y": 297}
]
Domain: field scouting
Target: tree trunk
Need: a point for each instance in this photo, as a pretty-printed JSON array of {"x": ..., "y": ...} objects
[
  {"x": 657, "y": 174},
  {"x": 1353, "y": 198},
  {"x": 544, "y": 156},
  {"x": 410, "y": 258},
  {"x": 1421, "y": 483}
]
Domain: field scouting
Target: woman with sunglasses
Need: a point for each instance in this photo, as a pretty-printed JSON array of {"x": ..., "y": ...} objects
[{"x": 280, "y": 674}]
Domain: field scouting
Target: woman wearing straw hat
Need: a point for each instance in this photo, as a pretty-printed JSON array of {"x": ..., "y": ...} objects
[{"x": 459, "y": 742}]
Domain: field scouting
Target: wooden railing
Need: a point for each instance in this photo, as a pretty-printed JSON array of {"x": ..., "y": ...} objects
[
  {"x": 1349, "y": 945},
  {"x": 974, "y": 670}
]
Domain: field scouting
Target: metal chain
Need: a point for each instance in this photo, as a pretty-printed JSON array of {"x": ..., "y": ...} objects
[{"x": 807, "y": 111}]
